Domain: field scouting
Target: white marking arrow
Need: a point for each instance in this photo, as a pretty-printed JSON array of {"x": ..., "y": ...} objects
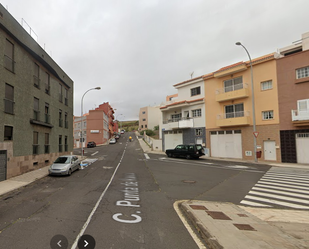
[{"x": 86, "y": 243}]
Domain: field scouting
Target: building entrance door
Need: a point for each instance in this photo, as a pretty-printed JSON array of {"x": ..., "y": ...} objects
[
  {"x": 270, "y": 150},
  {"x": 2, "y": 165}
]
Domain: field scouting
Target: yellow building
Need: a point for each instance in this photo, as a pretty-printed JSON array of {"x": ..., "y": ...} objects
[{"x": 229, "y": 122}]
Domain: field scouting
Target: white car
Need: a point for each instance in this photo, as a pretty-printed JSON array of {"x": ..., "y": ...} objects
[
  {"x": 64, "y": 165},
  {"x": 112, "y": 140}
]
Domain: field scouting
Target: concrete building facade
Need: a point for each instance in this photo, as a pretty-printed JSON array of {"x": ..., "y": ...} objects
[
  {"x": 183, "y": 117},
  {"x": 36, "y": 114},
  {"x": 229, "y": 110},
  {"x": 293, "y": 91},
  {"x": 149, "y": 117}
]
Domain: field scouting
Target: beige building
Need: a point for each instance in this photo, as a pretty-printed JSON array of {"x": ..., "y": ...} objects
[
  {"x": 229, "y": 111},
  {"x": 149, "y": 117}
]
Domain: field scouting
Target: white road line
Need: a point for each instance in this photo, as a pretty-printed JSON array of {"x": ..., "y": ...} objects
[
  {"x": 146, "y": 156},
  {"x": 256, "y": 204},
  {"x": 281, "y": 192},
  {"x": 280, "y": 197},
  {"x": 287, "y": 175},
  {"x": 282, "y": 184},
  {"x": 97, "y": 204},
  {"x": 285, "y": 182},
  {"x": 285, "y": 178},
  {"x": 290, "y": 188},
  {"x": 281, "y": 203},
  {"x": 94, "y": 153}
]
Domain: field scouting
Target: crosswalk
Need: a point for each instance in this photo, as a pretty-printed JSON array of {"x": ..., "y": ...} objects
[{"x": 280, "y": 187}]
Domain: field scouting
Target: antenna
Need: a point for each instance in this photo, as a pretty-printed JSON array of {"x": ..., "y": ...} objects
[{"x": 192, "y": 74}]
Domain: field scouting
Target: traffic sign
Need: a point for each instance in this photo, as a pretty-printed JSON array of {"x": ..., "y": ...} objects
[{"x": 256, "y": 133}]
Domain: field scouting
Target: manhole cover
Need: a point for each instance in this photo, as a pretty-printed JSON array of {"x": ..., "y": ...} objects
[
  {"x": 244, "y": 227},
  {"x": 198, "y": 207},
  {"x": 188, "y": 181},
  {"x": 218, "y": 215}
]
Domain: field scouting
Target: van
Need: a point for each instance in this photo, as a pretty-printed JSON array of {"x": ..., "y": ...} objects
[{"x": 186, "y": 150}]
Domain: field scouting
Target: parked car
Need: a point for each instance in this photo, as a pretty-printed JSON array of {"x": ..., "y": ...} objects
[
  {"x": 64, "y": 165},
  {"x": 122, "y": 132},
  {"x": 91, "y": 144},
  {"x": 186, "y": 150},
  {"x": 112, "y": 140},
  {"x": 117, "y": 136}
]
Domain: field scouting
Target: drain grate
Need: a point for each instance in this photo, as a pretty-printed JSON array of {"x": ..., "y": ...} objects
[
  {"x": 188, "y": 181},
  {"x": 218, "y": 215},
  {"x": 245, "y": 227},
  {"x": 242, "y": 215},
  {"x": 198, "y": 207}
]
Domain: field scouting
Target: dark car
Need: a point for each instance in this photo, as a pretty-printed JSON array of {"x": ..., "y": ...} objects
[
  {"x": 91, "y": 144},
  {"x": 186, "y": 150}
]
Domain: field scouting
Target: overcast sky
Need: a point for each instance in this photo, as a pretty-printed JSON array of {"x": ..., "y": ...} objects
[{"x": 136, "y": 50}]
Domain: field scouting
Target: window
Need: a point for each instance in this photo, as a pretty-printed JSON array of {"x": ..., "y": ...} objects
[
  {"x": 9, "y": 56},
  {"x": 143, "y": 112},
  {"x": 60, "y": 93},
  {"x": 234, "y": 111},
  {"x": 36, "y": 109},
  {"x": 36, "y": 76},
  {"x": 35, "y": 145},
  {"x": 66, "y": 100},
  {"x": 66, "y": 125},
  {"x": 46, "y": 112},
  {"x": 47, "y": 83},
  {"x": 268, "y": 115},
  {"x": 176, "y": 117},
  {"x": 266, "y": 85},
  {"x": 60, "y": 143},
  {"x": 46, "y": 146},
  {"x": 60, "y": 118},
  {"x": 197, "y": 113},
  {"x": 302, "y": 72},
  {"x": 66, "y": 143},
  {"x": 9, "y": 99},
  {"x": 8, "y": 133},
  {"x": 198, "y": 132},
  {"x": 195, "y": 91},
  {"x": 142, "y": 126},
  {"x": 144, "y": 119},
  {"x": 303, "y": 105},
  {"x": 233, "y": 84},
  {"x": 145, "y": 126}
]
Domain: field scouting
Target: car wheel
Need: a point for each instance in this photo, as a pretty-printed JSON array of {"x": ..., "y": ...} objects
[
  {"x": 69, "y": 172},
  {"x": 169, "y": 155},
  {"x": 188, "y": 156}
]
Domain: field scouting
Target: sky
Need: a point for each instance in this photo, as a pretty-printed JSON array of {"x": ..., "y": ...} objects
[{"x": 136, "y": 50}]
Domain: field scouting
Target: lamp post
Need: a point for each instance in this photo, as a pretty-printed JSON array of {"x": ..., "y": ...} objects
[
  {"x": 253, "y": 102},
  {"x": 81, "y": 119},
  {"x": 117, "y": 119}
]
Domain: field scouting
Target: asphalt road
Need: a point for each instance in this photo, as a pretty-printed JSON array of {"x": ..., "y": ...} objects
[{"x": 123, "y": 200}]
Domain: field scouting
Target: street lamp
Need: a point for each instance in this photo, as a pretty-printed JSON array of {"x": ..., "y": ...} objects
[
  {"x": 81, "y": 118},
  {"x": 253, "y": 102},
  {"x": 117, "y": 119}
]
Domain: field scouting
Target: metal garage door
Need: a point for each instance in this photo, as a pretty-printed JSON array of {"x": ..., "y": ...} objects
[
  {"x": 302, "y": 145},
  {"x": 172, "y": 139},
  {"x": 226, "y": 144},
  {"x": 2, "y": 165}
]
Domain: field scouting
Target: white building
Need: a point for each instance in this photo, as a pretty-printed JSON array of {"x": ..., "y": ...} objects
[{"x": 183, "y": 118}]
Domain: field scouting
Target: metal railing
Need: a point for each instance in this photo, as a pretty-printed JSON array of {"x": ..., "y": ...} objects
[
  {"x": 36, "y": 81},
  {"x": 172, "y": 120},
  {"x": 9, "y": 63},
  {"x": 9, "y": 106},
  {"x": 232, "y": 88},
  {"x": 35, "y": 149},
  {"x": 233, "y": 115}
]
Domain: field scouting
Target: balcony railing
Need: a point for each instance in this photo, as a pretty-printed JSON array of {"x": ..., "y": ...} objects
[
  {"x": 9, "y": 63},
  {"x": 60, "y": 122},
  {"x": 233, "y": 119},
  {"x": 46, "y": 149},
  {"x": 66, "y": 101},
  {"x": 66, "y": 124},
  {"x": 300, "y": 116},
  {"x": 35, "y": 149},
  {"x": 178, "y": 123},
  {"x": 60, "y": 147},
  {"x": 47, "y": 118},
  {"x": 47, "y": 88},
  {"x": 66, "y": 147},
  {"x": 232, "y": 92},
  {"x": 36, "y": 115}
]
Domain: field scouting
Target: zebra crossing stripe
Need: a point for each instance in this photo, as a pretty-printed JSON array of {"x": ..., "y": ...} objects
[
  {"x": 281, "y": 203},
  {"x": 290, "y": 188},
  {"x": 285, "y": 178},
  {"x": 286, "y": 175},
  {"x": 269, "y": 183},
  {"x": 285, "y": 182},
  {"x": 281, "y": 192},
  {"x": 280, "y": 197},
  {"x": 250, "y": 203}
]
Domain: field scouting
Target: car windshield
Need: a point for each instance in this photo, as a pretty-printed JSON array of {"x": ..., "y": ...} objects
[
  {"x": 62, "y": 160},
  {"x": 199, "y": 147}
]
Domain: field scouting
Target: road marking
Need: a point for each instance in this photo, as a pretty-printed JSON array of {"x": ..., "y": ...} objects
[
  {"x": 94, "y": 153},
  {"x": 250, "y": 203},
  {"x": 281, "y": 192},
  {"x": 239, "y": 167},
  {"x": 146, "y": 156},
  {"x": 74, "y": 246}
]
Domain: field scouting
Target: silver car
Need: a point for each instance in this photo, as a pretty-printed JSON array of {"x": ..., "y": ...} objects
[{"x": 64, "y": 165}]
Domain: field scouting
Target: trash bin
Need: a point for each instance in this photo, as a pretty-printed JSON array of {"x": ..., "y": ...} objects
[{"x": 258, "y": 154}]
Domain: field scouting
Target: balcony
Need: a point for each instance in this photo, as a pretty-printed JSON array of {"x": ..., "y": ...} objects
[
  {"x": 232, "y": 92},
  {"x": 36, "y": 81},
  {"x": 300, "y": 118},
  {"x": 179, "y": 123},
  {"x": 233, "y": 119}
]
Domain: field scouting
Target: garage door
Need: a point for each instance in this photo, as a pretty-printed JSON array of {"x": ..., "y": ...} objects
[
  {"x": 172, "y": 139},
  {"x": 226, "y": 144},
  {"x": 2, "y": 165},
  {"x": 302, "y": 145}
]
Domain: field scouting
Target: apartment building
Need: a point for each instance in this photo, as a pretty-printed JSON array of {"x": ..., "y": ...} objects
[
  {"x": 149, "y": 117},
  {"x": 229, "y": 110},
  {"x": 293, "y": 93},
  {"x": 183, "y": 116},
  {"x": 36, "y": 114},
  {"x": 98, "y": 126}
]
